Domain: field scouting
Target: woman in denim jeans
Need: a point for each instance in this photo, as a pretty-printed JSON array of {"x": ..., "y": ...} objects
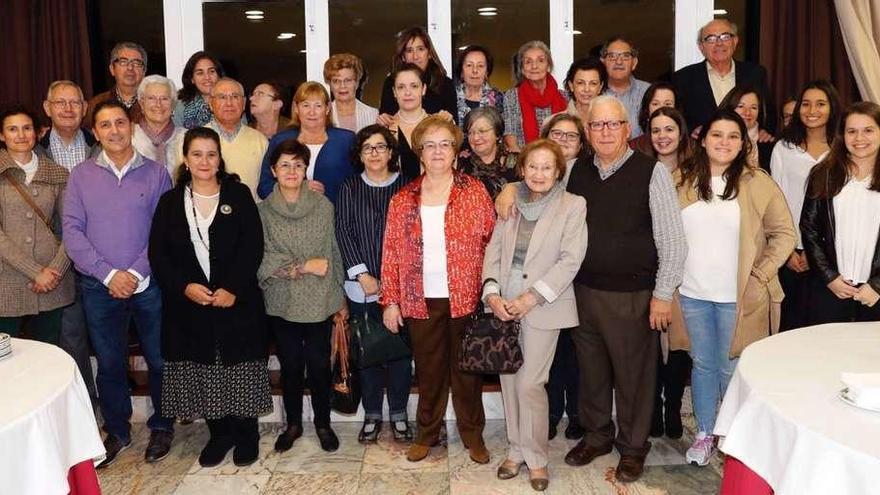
[{"x": 739, "y": 232}]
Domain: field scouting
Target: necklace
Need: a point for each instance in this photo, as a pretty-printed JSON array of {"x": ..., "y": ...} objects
[
  {"x": 192, "y": 198},
  {"x": 414, "y": 121}
]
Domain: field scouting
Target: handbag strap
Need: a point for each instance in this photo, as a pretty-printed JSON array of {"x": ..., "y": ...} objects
[
  {"x": 28, "y": 199},
  {"x": 481, "y": 306}
]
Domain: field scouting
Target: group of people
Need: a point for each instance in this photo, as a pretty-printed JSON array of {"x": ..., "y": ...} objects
[{"x": 630, "y": 228}]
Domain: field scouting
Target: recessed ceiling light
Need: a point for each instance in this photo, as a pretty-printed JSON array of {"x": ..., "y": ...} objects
[
  {"x": 490, "y": 13},
  {"x": 720, "y": 11},
  {"x": 576, "y": 32},
  {"x": 304, "y": 51},
  {"x": 487, "y": 9},
  {"x": 463, "y": 47},
  {"x": 253, "y": 12},
  {"x": 255, "y": 17},
  {"x": 286, "y": 36}
]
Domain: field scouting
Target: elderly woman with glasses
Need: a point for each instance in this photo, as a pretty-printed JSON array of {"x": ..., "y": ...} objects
[
  {"x": 156, "y": 137},
  {"x": 487, "y": 159},
  {"x": 343, "y": 72}
]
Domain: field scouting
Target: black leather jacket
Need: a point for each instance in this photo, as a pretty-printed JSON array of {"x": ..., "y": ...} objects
[{"x": 817, "y": 233}]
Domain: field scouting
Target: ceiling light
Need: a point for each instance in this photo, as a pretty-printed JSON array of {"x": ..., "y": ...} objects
[
  {"x": 576, "y": 32},
  {"x": 487, "y": 9},
  {"x": 463, "y": 47},
  {"x": 490, "y": 13},
  {"x": 304, "y": 51},
  {"x": 253, "y": 12},
  {"x": 286, "y": 36},
  {"x": 255, "y": 17},
  {"x": 720, "y": 11}
]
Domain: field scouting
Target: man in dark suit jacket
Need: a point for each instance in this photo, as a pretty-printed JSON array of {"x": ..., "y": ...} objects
[{"x": 702, "y": 86}]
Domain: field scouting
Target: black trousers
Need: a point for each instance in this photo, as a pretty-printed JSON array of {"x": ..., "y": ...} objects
[
  {"x": 562, "y": 388},
  {"x": 242, "y": 431},
  {"x": 825, "y": 307},
  {"x": 796, "y": 305},
  {"x": 304, "y": 349},
  {"x": 671, "y": 377}
]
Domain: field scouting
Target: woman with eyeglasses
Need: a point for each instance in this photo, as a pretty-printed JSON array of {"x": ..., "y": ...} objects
[
  {"x": 414, "y": 47},
  {"x": 301, "y": 277},
  {"x": 200, "y": 73},
  {"x": 156, "y": 137},
  {"x": 344, "y": 72},
  {"x": 472, "y": 88},
  {"x": 361, "y": 210},
  {"x": 265, "y": 107},
  {"x": 437, "y": 229},
  {"x": 534, "y": 98},
  {"x": 487, "y": 159},
  {"x": 585, "y": 80}
]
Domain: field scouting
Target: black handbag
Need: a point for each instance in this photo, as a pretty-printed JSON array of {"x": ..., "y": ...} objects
[
  {"x": 489, "y": 345},
  {"x": 375, "y": 343},
  {"x": 345, "y": 390}
]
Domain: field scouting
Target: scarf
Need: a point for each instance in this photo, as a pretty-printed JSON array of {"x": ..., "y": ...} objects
[
  {"x": 159, "y": 139},
  {"x": 530, "y": 100},
  {"x": 532, "y": 211},
  {"x": 196, "y": 113},
  {"x": 489, "y": 97}
]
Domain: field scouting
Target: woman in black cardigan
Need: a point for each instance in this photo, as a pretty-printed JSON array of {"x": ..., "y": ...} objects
[{"x": 206, "y": 244}]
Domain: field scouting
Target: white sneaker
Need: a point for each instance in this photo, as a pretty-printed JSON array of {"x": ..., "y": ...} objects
[{"x": 701, "y": 450}]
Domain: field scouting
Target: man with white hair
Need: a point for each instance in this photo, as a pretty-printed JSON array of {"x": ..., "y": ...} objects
[
  {"x": 624, "y": 288},
  {"x": 67, "y": 143}
]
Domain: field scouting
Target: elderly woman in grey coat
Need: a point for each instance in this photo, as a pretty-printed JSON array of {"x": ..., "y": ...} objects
[{"x": 35, "y": 277}]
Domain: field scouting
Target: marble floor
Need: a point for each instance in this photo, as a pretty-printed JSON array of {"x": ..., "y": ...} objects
[{"x": 382, "y": 468}]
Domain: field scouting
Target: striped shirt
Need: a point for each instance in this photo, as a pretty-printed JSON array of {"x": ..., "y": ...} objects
[{"x": 361, "y": 208}]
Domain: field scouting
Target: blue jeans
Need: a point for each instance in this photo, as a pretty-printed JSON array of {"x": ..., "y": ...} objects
[
  {"x": 710, "y": 328},
  {"x": 107, "y": 320},
  {"x": 373, "y": 379}
]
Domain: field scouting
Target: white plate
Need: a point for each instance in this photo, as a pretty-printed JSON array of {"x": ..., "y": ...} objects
[{"x": 845, "y": 398}]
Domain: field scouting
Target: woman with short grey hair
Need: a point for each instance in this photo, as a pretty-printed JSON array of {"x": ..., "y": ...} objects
[
  {"x": 487, "y": 158},
  {"x": 535, "y": 97},
  {"x": 156, "y": 137}
]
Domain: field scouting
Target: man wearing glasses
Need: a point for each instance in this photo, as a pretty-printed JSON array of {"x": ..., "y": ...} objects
[
  {"x": 267, "y": 100},
  {"x": 703, "y": 85},
  {"x": 128, "y": 64},
  {"x": 67, "y": 143},
  {"x": 621, "y": 58},
  {"x": 623, "y": 289}
]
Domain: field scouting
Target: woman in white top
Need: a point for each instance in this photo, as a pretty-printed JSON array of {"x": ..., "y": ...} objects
[
  {"x": 739, "y": 232},
  {"x": 841, "y": 220},
  {"x": 344, "y": 72},
  {"x": 805, "y": 142},
  {"x": 156, "y": 137}
]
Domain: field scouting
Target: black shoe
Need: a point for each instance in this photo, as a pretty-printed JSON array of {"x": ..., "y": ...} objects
[
  {"x": 402, "y": 431},
  {"x": 674, "y": 428},
  {"x": 370, "y": 431},
  {"x": 215, "y": 451},
  {"x": 574, "y": 430},
  {"x": 159, "y": 446},
  {"x": 113, "y": 445},
  {"x": 287, "y": 437},
  {"x": 551, "y": 432},
  {"x": 329, "y": 441},
  {"x": 246, "y": 453}
]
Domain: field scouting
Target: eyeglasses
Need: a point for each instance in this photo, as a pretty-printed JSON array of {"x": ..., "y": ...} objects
[
  {"x": 224, "y": 97},
  {"x": 612, "y": 125},
  {"x": 262, "y": 94},
  {"x": 445, "y": 145},
  {"x": 130, "y": 62},
  {"x": 373, "y": 149},
  {"x": 622, "y": 56},
  {"x": 716, "y": 38},
  {"x": 558, "y": 135},
  {"x": 162, "y": 100},
  {"x": 479, "y": 132},
  {"x": 288, "y": 166},
  {"x": 66, "y": 103},
  {"x": 342, "y": 82}
]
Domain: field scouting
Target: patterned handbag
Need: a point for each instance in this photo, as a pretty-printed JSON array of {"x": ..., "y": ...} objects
[{"x": 489, "y": 345}]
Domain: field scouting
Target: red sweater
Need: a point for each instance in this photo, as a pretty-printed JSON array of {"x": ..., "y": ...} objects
[{"x": 469, "y": 220}]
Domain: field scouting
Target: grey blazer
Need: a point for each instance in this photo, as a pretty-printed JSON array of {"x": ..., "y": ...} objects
[{"x": 554, "y": 256}]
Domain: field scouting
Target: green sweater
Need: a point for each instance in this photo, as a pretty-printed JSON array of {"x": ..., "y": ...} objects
[{"x": 297, "y": 232}]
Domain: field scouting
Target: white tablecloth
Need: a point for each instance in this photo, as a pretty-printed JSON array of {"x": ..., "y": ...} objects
[
  {"x": 46, "y": 420},
  {"x": 782, "y": 416}
]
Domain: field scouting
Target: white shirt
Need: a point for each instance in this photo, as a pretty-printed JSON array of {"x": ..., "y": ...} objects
[
  {"x": 857, "y": 223},
  {"x": 29, "y": 168},
  {"x": 201, "y": 244},
  {"x": 721, "y": 85},
  {"x": 712, "y": 232},
  {"x": 434, "y": 274},
  {"x": 313, "y": 158},
  {"x": 790, "y": 167}
]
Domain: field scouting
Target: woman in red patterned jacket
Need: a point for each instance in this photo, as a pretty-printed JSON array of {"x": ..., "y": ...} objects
[{"x": 437, "y": 229}]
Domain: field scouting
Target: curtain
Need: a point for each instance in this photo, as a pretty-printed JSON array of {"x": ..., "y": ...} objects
[
  {"x": 800, "y": 41},
  {"x": 43, "y": 41},
  {"x": 860, "y": 23}
]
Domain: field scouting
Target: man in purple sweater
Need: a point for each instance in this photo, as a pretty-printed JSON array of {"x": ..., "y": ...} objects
[{"x": 108, "y": 210}]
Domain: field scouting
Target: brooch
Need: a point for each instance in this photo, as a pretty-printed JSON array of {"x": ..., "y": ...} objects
[{"x": 225, "y": 209}]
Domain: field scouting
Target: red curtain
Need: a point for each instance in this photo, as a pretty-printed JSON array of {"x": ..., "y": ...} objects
[
  {"x": 43, "y": 41},
  {"x": 800, "y": 41}
]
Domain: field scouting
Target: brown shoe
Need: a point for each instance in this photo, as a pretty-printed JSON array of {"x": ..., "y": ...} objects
[
  {"x": 508, "y": 470},
  {"x": 479, "y": 454},
  {"x": 583, "y": 454},
  {"x": 539, "y": 483},
  {"x": 630, "y": 468},
  {"x": 417, "y": 452}
]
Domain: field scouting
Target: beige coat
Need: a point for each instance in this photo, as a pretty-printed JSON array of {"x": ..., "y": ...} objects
[
  {"x": 556, "y": 250},
  {"x": 766, "y": 239},
  {"x": 26, "y": 245}
]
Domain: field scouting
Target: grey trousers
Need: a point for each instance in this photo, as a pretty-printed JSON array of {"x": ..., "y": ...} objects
[{"x": 74, "y": 340}]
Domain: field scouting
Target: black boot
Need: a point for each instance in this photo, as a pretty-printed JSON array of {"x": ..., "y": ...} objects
[
  {"x": 677, "y": 370},
  {"x": 247, "y": 439},
  {"x": 657, "y": 415},
  {"x": 219, "y": 444}
]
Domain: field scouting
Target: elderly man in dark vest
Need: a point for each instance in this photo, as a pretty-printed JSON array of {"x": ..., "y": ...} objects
[{"x": 624, "y": 288}]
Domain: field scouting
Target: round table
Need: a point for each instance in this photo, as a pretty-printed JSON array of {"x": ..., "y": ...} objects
[
  {"x": 48, "y": 435},
  {"x": 782, "y": 416}
]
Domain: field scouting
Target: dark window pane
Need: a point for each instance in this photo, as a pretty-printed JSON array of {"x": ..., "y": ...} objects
[
  {"x": 250, "y": 49},
  {"x": 515, "y": 23},
  {"x": 367, "y": 29},
  {"x": 139, "y": 21},
  {"x": 649, "y": 23}
]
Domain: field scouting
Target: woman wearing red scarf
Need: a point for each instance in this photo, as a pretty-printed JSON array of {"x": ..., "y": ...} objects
[{"x": 535, "y": 97}]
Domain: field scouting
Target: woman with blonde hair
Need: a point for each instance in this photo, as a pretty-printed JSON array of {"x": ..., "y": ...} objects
[{"x": 343, "y": 72}]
